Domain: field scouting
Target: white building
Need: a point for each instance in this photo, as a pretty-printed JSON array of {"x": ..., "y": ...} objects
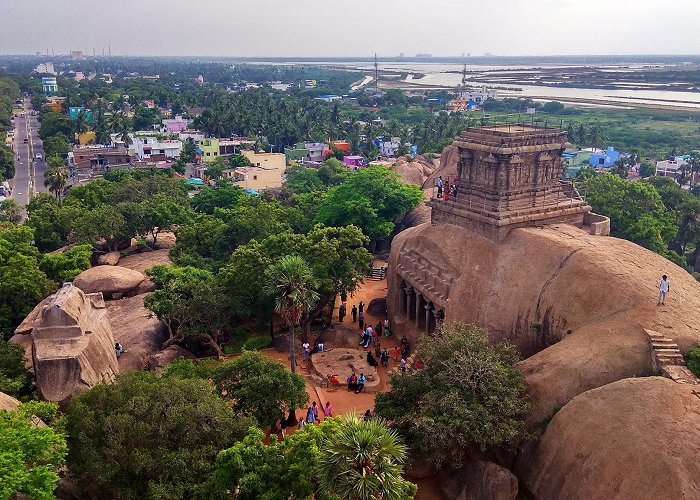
[
  {"x": 669, "y": 168},
  {"x": 479, "y": 96},
  {"x": 148, "y": 147},
  {"x": 46, "y": 67}
]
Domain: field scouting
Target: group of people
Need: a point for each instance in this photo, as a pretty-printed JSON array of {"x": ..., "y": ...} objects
[
  {"x": 372, "y": 335},
  {"x": 307, "y": 351},
  {"x": 355, "y": 383},
  {"x": 444, "y": 190},
  {"x": 310, "y": 418}
]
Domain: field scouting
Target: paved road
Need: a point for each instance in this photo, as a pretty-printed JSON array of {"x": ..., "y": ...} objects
[{"x": 29, "y": 178}]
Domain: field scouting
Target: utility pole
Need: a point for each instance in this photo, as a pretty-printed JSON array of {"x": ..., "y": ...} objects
[
  {"x": 376, "y": 74},
  {"x": 110, "y": 50}
]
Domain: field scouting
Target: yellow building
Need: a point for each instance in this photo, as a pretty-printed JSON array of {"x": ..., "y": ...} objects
[
  {"x": 257, "y": 178},
  {"x": 87, "y": 138},
  {"x": 267, "y": 160},
  {"x": 210, "y": 149}
]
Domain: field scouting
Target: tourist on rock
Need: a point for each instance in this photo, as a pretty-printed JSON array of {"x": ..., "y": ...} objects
[
  {"x": 439, "y": 184},
  {"x": 360, "y": 383},
  {"x": 354, "y": 313},
  {"x": 403, "y": 365},
  {"x": 362, "y": 320},
  {"x": 378, "y": 329},
  {"x": 305, "y": 345},
  {"x": 446, "y": 196},
  {"x": 327, "y": 410},
  {"x": 664, "y": 288},
  {"x": 118, "y": 349},
  {"x": 384, "y": 358},
  {"x": 366, "y": 338},
  {"x": 362, "y": 307},
  {"x": 314, "y": 408},
  {"x": 370, "y": 330},
  {"x": 352, "y": 382},
  {"x": 371, "y": 361},
  {"x": 397, "y": 353},
  {"x": 367, "y": 416},
  {"x": 405, "y": 351}
]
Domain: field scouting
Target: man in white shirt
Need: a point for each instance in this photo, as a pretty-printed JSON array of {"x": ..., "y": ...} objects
[{"x": 664, "y": 288}]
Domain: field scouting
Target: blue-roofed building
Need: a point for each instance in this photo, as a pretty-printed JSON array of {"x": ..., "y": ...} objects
[{"x": 604, "y": 160}]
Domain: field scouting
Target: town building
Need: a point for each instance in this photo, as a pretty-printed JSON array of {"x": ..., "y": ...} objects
[
  {"x": 152, "y": 148},
  {"x": 234, "y": 145},
  {"x": 45, "y": 68},
  {"x": 343, "y": 146},
  {"x": 84, "y": 162},
  {"x": 670, "y": 167},
  {"x": 55, "y": 104},
  {"x": 266, "y": 160},
  {"x": 74, "y": 111},
  {"x": 49, "y": 85},
  {"x": 174, "y": 125},
  {"x": 255, "y": 178},
  {"x": 208, "y": 149},
  {"x": 354, "y": 162},
  {"x": 604, "y": 159},
  {"x": 191, "y": 135},
  {"x": 387, "y": 146}
]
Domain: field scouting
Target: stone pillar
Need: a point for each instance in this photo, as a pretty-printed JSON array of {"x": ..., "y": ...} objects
[
  {"x": 409, "y": 291},
  {"x": 419, "y": 299},
  {"x": 428, "y": 315},
  {"x": 402, "y": 298},
  {"x": 437, "y": 317}
]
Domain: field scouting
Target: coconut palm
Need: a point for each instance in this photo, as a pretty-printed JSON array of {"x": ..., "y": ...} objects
[
  {"x": 81, "y": 125},
  {"x": 56, "y": 178},
  {"x": 292, "y": 283},
  {"x": 364, "y": 460}
]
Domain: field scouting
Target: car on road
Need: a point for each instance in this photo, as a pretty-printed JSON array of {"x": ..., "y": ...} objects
[{"x": 37, "y": 156}]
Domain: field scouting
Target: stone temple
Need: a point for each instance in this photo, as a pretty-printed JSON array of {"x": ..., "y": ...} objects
[
  {"x": 616, "y": 412},
  {"x": 508, "y": 178}
]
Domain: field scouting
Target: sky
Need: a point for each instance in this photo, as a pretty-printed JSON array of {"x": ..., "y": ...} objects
[{"x": 347, "y": 28}]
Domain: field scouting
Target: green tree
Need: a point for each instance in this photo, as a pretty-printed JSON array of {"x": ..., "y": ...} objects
[
  {"x": 15, "y": 379},
  {"x": 646, "y": 169},
  {"x": 303, "y": 180},
  {"x": 635, "y": 209},
  {"x": 332, "y": 172},
  {"x": 80, "y": 125},
  {"x": 7, "y": 163},
  {"x": 467, "y": 393},
  {"x": 22, "y": 283},
  {"x": 56, "y": 178},
  {"x": 291, "y": 281},
  {"x": 106, "y": 223},
  {"x": 10, "y": 211},
  {"x": 215, "y": 168},
  {"x": 160, "y": 212},
  {"x": 30, "y": 455},
  {"x": 65, "y": 266},
  {"x": 364, "y": 461},
  {"x": 373, "y": 199},
  {"x": 56, "y": 146},
  {"x": 207, "y": 200},
  {"x": 258, "y": 387},
  {"x": 148, "y": 437},
  {"x": 53, "y": 123},
  {"x": 192, "y": 305},
  {"x": 239, "y": 161}
]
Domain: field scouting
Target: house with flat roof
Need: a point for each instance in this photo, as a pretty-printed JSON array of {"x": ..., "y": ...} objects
[
  {"x": 256, "y": 178},
  {"x": 670, "y": 167},
  {"x": 606, "y": 159},
  {"x": 266, "y": 160}
]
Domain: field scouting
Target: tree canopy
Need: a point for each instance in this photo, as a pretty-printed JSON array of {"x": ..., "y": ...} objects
[
  {"x": 148, "y": 437},
  {"x": 467, "y": 393}
]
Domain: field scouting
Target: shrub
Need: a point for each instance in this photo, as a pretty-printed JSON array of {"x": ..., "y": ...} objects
[{"x": 692, "y": 359}]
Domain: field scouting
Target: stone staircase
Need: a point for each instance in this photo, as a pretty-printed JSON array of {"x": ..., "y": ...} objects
[
  {"x": 667, "y": 359},
  {"x": 376, "y": 273}
]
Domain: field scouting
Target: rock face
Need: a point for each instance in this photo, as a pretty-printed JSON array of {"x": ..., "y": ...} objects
[
  {"x": 72, "y": 345},
  {"x": 636, "y": 438},
  {"x": 136, "y": 331},
  {"x": 161, "y": 359},
  {"x": 109, "y": 259},
  {"x": 109, "y": 280},
  {"x": 143, "y": 261},
  {"x": 414, "y": 172},
  {"x": 478, "y": 481},
  {"x": 8, "y": 403},
  {"x": 342, "y": 362},
  {"x": 577, "y": 304}
]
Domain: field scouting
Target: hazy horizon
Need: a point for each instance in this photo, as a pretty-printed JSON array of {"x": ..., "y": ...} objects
[{"x": 315, "y": 29}]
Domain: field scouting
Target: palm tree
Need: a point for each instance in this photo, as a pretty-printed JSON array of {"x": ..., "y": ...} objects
[
  {"x": 292, "y": 283},
  {"x": 80, "y": 124},
  {"x": 364, "y": 460},
  {"x": 694, "y": 163},
  {"x": 56, "y": 178}
]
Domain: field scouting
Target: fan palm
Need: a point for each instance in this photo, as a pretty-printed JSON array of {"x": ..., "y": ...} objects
[
  {"x": 292, "y": 283},
  {"x": 364, "y": 461},
  {"x": 56, "y": 178}
]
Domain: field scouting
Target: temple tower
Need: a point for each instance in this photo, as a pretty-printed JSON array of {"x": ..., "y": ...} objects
[{"x": 508, "y": 177}]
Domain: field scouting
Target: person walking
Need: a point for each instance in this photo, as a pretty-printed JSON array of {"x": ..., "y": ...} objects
[
  {"x": 327, "y": 410},
  {"x": 361, "y": 317},
  {"x": 354, "y": 313},
  {"x": 314, "y": 408},
  {"x": 310, "y": 417},
  {"x": 664, "y": 288},
  {"x": 362, "y": 307},
  {"x": 440, "y": 183},
  {"x": 384, "y": 358},
  {"x": 397, "y": 352},
  {"x": 403, "y": 365},
  {"x": 341, "y": 312}
]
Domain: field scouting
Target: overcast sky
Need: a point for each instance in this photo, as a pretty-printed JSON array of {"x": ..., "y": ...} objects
[{"x": 279, "y": 28}]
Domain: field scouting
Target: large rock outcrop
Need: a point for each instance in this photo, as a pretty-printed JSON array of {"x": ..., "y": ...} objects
[
  {"x": 8, "y": 403},
  {"x": 574, "y": 304},
  {"x": 109, "y": 280},
  {"x": 478, "y": 481},
  {"x": 72, "y": 345},
  {"x": 635, "y": 438}
]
